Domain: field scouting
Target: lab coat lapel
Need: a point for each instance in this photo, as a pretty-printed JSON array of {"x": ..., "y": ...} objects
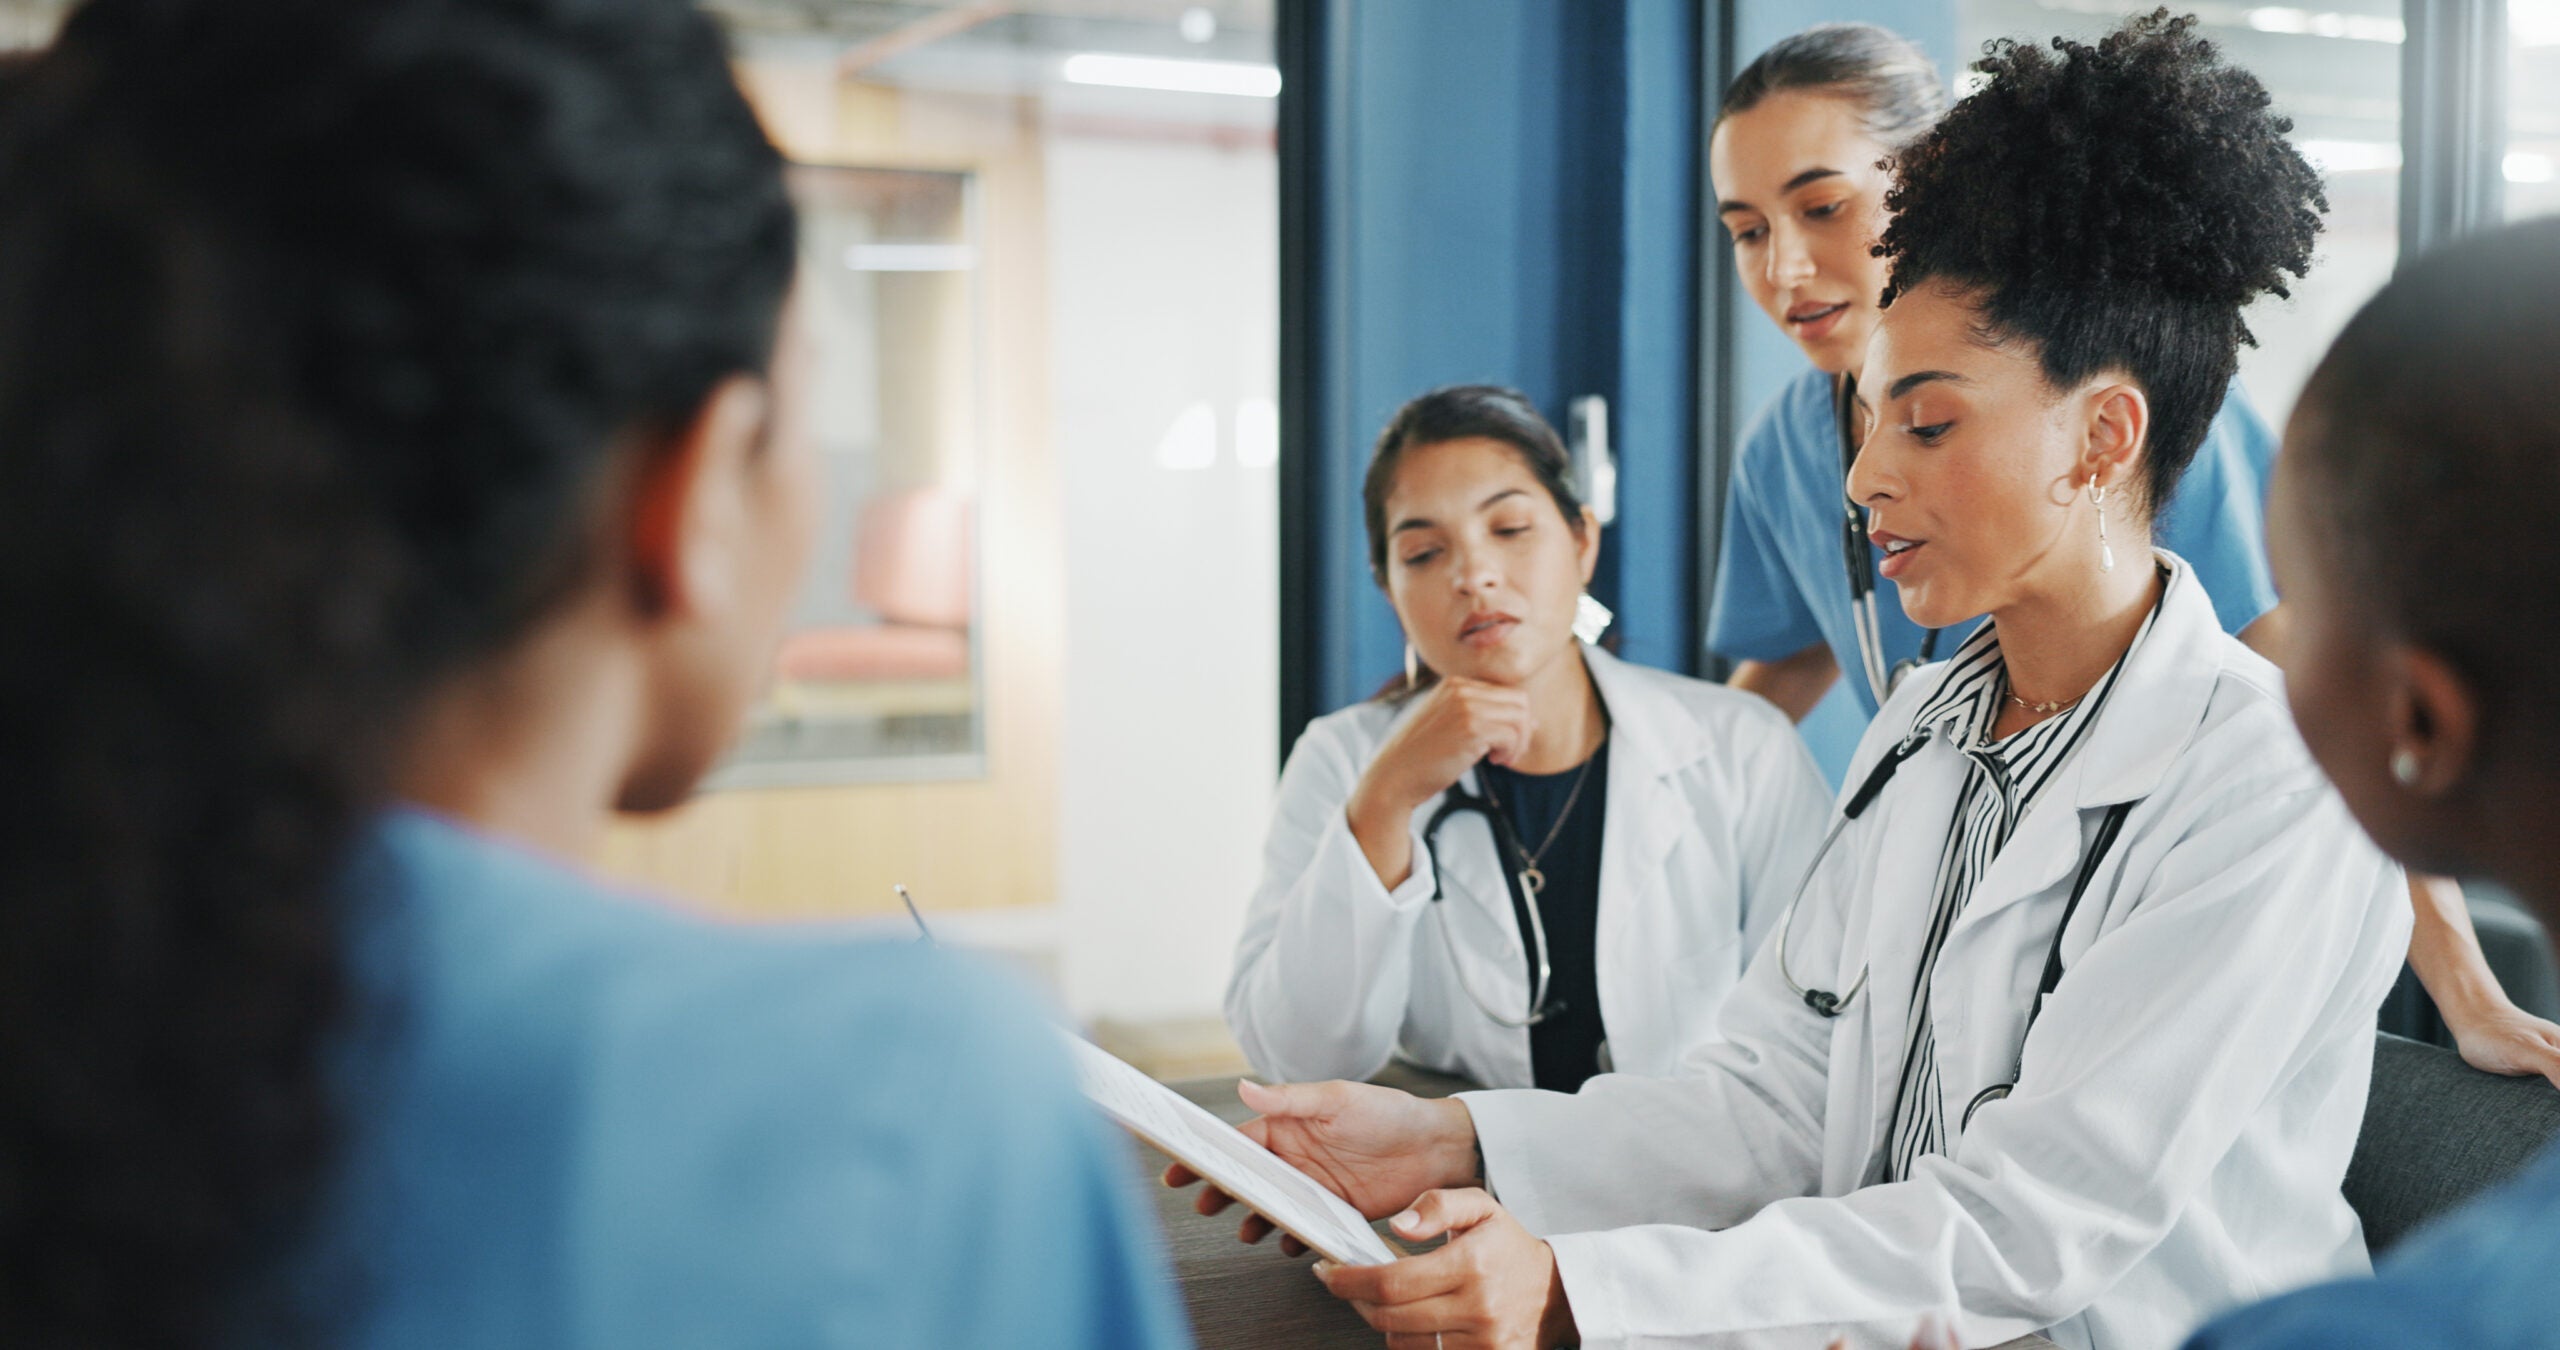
[
  {"x": 1912, "y": 819},
  {"x": 2149, "y": 717},
  {"x": 1652, "y": 740}
]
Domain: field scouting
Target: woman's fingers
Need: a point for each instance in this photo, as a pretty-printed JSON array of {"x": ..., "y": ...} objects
[
  {"x": 1287, "y": 1101},
  {"x": 1446, "y": 1315},
  {"x": 1178, "y": 1176},
  {"x": 1410, "y": 1280},
  {"x": 1440, "y": 1212}
]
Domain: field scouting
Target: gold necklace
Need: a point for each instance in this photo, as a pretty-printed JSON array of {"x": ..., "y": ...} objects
[{"x": 2041, "y": 709}]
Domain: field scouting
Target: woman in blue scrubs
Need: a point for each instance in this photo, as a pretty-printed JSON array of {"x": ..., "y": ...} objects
[
  {"x": 404, "y": 472},
  {"x": 1795, "y": 158}
]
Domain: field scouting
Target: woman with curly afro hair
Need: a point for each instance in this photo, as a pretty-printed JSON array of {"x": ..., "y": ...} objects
[{"x": 2069, "y": 1031}]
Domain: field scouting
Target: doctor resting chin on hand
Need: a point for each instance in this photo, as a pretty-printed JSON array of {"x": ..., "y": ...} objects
[
  {"x": 2071, "y": 1027},
  {"x": 1527, "y": 861}
]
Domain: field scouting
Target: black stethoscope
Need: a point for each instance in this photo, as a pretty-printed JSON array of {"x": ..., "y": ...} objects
[
  {"x": 1827, "y": 1004},
  {"x": 1524, "y": 902},
  {"x": 1859, "y": 556}
]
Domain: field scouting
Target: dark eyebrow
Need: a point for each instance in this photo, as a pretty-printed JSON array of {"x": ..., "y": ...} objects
[
  {"x": 1418, "y": 523},
  {"x": 1918, "y": 378},
  {"x": 1808, "y": 176}
]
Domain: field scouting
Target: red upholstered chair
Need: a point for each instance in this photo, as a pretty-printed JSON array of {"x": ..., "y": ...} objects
[{"x": 911, "y": 566}]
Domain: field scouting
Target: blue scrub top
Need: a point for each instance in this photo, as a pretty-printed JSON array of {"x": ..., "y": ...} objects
[
  {"x": 577, "y": 1118},
  {"x": 2481, "y": 1279},
  {"x": 1780, "y": 585}
]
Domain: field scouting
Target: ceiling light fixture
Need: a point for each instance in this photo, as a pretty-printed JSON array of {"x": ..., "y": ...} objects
[{"x": 1239, "y": 78}]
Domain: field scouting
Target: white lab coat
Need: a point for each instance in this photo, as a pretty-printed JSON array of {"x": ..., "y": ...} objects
[
  {"x": 2188, "y": 1102},
  {"x": 1714, "y": 807}
]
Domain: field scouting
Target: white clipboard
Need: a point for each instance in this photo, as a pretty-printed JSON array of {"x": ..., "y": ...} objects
[{"x": 1296, "y": 1203}]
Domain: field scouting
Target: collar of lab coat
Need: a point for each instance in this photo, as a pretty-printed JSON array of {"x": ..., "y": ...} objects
[
  {"x": 2160, "y": 700},
  {"x": 1663, "y": 738},
  {"x": 1652, "y": 739},
  {"x": 2151, "y": 717}
]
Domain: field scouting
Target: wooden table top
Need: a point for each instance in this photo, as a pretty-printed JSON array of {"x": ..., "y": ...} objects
[{"x": 1253, "y": 1296}]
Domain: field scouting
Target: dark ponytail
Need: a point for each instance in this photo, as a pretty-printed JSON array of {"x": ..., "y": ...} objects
[
  {"x": 321, "y": 327},
  {"x": 1884, "y": 74}
]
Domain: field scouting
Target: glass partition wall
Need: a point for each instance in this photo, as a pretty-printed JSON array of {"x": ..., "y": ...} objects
[{"x": 879, "y": 678}]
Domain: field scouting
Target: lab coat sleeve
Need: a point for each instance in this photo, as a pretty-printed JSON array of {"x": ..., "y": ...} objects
[
  {"x": 1324, "y": 969},
  {"x": 1785, "y": 808},
  {"x": 1742, "y": 1122},
  {"x": 2264, "y": 933}
]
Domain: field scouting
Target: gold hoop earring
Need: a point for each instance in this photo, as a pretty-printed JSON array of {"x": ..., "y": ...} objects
[{"x": 2098, "y": 499}]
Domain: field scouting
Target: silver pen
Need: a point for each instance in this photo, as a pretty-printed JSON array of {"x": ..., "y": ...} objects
[{"x": 913, "y": 912}]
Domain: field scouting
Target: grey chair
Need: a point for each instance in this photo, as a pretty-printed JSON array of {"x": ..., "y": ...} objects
[{"x": 2436, "y": 1133}]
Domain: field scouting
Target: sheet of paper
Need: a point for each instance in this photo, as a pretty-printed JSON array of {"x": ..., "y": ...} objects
[{"x": 1254, "y": 1175}]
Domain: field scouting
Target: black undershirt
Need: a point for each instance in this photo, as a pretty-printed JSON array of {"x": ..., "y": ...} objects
[{"x": 1565, "y": 1048}]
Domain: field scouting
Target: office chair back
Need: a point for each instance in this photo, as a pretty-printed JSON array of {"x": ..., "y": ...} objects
[{"x": 2436, "y": 1133}]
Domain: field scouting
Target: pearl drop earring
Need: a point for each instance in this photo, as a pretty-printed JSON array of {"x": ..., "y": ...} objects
[
  {"x": 2405, "y": 769},
  {"x": 2098, "y": 499}
]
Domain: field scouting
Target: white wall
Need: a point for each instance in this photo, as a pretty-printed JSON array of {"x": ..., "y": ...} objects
[{"x": 1164, "y": 275}]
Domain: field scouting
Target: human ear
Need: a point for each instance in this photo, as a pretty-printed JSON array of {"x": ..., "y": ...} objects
[
  {"x": 1586, "y": 544},
  {"x": 687, "y": 512},
  {"x": 2119, "y": 424},
  {"x": 2435, "y": 722}
]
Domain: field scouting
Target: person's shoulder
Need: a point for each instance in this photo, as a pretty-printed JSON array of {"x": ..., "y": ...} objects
[
  {"x": 2248, "y": 723},
  {"x": 2479, "y": 1279},
  {"x": 2346, "y": 1315},
  {"x": 1797, "y": 423},
  {"x": 1349, "y": 735},
  {"x": 2238, "y": 418},
  {"x": 1723, "y": 713},
  {"x": 568, "y": 965}
]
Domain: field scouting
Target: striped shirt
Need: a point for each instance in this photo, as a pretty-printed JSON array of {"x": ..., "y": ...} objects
[{"x": 2001, "y": 781}]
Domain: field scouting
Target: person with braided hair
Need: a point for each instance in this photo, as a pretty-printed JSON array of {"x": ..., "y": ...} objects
[
  {"x": 403, "y": 473},
  {"x": 2070, "y": 1028}
]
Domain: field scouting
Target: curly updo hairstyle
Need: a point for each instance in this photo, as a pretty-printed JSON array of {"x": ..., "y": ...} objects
[
  {"x": 325, "y": 328},
  {"x": 2116, "y": 206}
]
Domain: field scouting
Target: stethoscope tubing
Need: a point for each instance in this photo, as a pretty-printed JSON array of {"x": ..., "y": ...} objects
[
  {"x": 1523, "y": 899},
  {"x": 1826, "y": 1004}
]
